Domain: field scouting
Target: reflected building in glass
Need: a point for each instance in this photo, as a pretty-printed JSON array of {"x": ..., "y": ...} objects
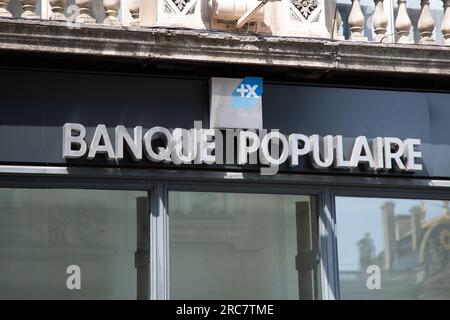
[{"x": 413, "y": 258}]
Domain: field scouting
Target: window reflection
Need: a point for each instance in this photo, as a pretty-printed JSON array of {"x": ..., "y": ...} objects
[
  {"x": 44, "y": 231},
  {"x": 409, "y": 240},
  {"x": 241, "y": 246}
]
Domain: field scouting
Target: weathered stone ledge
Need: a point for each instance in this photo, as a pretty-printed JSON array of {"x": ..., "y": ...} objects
[{"x": 180, "y": 45}]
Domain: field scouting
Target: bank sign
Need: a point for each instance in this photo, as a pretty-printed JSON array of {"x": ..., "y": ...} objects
[
  {"x": 236, "y": 137},
  {"x": 266, "y": 148}
]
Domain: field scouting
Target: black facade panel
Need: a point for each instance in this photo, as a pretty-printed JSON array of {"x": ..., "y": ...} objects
[{"x": 36, "y": 104}]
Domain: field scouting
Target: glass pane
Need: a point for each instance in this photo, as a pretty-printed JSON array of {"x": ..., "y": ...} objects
[
  {"x": 240, "y": 246},
  {"x": 393, "y": 248},
  {"x": 69, "y": 244}
]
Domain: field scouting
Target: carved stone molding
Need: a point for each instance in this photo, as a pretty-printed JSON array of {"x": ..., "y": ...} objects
[
  {"x": 173, "y": 13},
  {"x": 180, "y": 4},
  {"x": 302, "y": 18},
  {"x": 305, "y": 7}
]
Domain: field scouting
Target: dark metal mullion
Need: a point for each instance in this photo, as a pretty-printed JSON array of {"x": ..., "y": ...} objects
[
  {"x": 159, "y": 245},
  {"x": 395, "y": 193},
  {"x": 142, "y": 255},
  {"x": 328, "y": 249}
]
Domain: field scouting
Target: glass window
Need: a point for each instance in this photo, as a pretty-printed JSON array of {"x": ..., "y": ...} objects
[
  {"x": 393, "y": 248},
  {"x": 73, "y": 244},
  {"x": 242, "y": 246}
]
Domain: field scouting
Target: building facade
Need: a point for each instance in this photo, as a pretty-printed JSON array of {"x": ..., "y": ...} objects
[{"x": 224, "y": 149}]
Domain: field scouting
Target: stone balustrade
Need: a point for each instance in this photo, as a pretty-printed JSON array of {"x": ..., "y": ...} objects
[{"x": 297, "y": 18}]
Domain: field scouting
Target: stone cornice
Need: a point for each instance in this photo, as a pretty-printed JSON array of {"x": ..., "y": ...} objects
[{"x": 179, "y": 45}]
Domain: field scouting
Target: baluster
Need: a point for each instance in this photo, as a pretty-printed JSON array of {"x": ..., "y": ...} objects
[
  {"x": 380, "y": 22},
  {"x": 356, "y": 22},
  {"x": 337, "y": 27},
  {"x": 85, "y": 11},
  {"x": 403, "y": 23},
  {"x": 57, "y": 10},
  {"x": 29, "y": 9},
  {"x": 112, "y": 10},
  {"x": 337, "y": 24},
  {"x": 426, "y": 23},
  {"x": 445, "y": 27},
  {"x": 4, "y": 13},
  {"x": 134, "y": 6}
]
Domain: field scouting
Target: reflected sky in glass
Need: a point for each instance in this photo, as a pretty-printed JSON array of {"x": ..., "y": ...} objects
[{"x": 356, "y": 216}]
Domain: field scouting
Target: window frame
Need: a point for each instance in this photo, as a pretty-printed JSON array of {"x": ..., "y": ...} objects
[
  {"x": 316, "y": 195},
  {"x": 158, "y": 183},
  {"x": 86, "y": 183}
]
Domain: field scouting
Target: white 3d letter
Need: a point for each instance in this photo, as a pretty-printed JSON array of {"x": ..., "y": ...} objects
[
  {"x": 243, "y": 149},
  {"x": 134, "y": 144},
  {"x": 294, "y": 150},
  {"x": 96, "y": 147},
  {"x": 70, "y": 140},
  {"x": 396, "y": 155},
  {"x": 412, "y": 154}
]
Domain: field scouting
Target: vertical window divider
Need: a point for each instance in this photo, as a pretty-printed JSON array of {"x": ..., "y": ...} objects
[
  {"x": 142, "y": 256},
  {"x": 328, "y": 246},
  {"x": 159, "y": 244}
]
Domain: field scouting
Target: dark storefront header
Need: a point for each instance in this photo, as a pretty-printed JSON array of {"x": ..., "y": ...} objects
[{"x": 32, "y": 125}]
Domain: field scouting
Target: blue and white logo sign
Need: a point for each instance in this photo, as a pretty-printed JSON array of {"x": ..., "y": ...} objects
[
  {"x": 236, "y": 103},
  {"x": 248, "y": 93}
]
